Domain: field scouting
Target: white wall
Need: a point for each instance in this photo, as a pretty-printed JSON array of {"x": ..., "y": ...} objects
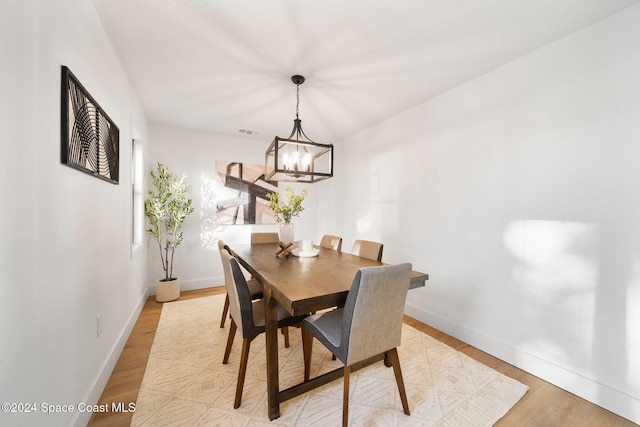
[
  {"x": 194, "y": 153},
  {"x": 515, "y": 192},
  {"x": 518, "y": 194},
  {"x": 65, "y": 245}
]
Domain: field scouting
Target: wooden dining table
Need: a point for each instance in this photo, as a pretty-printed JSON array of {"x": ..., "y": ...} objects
[{"x": 301, "y": 285}]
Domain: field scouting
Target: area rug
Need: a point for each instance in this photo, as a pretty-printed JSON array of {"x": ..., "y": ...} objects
[{"x": 185, "y": 382}]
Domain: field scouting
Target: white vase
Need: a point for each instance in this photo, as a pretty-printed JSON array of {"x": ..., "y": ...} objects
[
  {"x": 286, "y": 232},
  {"x": 167, "y": 290}
]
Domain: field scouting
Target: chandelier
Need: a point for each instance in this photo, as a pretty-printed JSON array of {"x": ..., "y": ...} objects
[{"x": 297, "y": 158}]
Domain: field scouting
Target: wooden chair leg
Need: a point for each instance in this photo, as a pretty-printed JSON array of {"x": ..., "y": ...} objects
[
  {"x": 232, "y": 334},
  {"x": 225, "y": 310},
  {"x": 345, "y": 397},
  {"x": 242, "y": 372},
  {"x": 395, "y": 362},
  {"x": 387, "y": 362},
  {"x": 307, "y": 348},
  {"x": 285, "y": 332}
]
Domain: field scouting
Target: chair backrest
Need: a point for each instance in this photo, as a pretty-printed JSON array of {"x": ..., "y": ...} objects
[
  {"x": 331, "y": 242},
  {"x": 373, "y": 311},
  {"x": 367, "y": 249},
  {"x": 239, "y": 297},
  {"x": 264, "y": 238},
  {"x": 224, "y": 249}
]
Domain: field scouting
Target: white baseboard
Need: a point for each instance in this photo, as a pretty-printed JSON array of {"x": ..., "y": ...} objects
[
  {"x": 599, "y": 394},
  {"x": 95, "y": 391},
  {"x": 190, "y": 285}
]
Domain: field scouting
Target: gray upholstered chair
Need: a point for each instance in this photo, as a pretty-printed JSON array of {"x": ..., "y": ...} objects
[
  {"x": 369, "y": 324},
  {"x": 367, "y": 249},
  {"x": 255, "y": 287},
  {"x": 249, "y": 317},
  {"x": 331, "y": 242},
  {"x": 257, "y": 238}
]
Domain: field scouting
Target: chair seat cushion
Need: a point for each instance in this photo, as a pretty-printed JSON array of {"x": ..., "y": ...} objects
[
  {"x": 327, "y": 327},
  {"x": 284, "y": 318}
]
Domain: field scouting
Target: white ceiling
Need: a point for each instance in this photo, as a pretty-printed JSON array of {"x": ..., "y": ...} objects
[{"x": 225, "y": 65}]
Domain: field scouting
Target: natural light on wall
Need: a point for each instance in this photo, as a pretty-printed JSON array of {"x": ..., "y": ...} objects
[
  {"x": 382, "y": 204},
  {"x": 209, "y": 188},
  {"x": 558, "y": 273},
  {"x": 212, "y": 228}
]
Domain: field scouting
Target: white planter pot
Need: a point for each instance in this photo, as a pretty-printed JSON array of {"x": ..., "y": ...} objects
[{"x": 167, "y": 290}]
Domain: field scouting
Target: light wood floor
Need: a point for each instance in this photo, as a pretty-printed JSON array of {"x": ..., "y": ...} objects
[{"x": 543, "y": 405}]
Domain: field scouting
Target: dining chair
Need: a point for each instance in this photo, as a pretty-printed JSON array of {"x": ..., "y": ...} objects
[
  {"x": 248, "y": 316},
  {"x": 264, "y": 238},
  {"x": 258, "y": 238},
  {"x": 331, "y": 242},
  {"x": 368, "y": 249},
  {"x": 255, "y": 287},
  {"x": 369, "y": 324}
]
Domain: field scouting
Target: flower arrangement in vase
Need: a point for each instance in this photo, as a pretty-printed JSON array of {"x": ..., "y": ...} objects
[{"x": 286, "y": 208}]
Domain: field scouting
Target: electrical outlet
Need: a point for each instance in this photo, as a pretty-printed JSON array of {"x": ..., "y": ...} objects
[{"x": 99, "y": 325}]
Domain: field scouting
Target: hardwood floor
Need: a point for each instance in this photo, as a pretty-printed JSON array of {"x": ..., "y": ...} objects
[
  {"x": 126, "y": 378},
  {"x": 543, "y": 405}
]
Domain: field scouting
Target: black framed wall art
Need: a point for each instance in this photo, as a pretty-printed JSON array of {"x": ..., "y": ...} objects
[{"x": 90, "y": 140}]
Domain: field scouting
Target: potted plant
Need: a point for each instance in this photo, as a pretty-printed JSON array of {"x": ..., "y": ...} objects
[
  {"x": 166, "y": 208},
  {"x": 285, "y": 210}
]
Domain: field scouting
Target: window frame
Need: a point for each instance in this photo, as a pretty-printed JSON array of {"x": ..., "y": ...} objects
[{"x": 137, "y": 197}]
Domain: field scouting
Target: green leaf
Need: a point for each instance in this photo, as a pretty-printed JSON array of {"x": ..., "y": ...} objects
[
  {"x": 286, "y": 210},
  {"x": 166, "y": 208}
]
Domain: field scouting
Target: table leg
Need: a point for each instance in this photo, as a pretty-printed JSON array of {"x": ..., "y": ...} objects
[{"x": 271, "y": 336}]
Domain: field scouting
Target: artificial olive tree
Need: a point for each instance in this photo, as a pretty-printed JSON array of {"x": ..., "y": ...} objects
[{"x": 166, "y": 208}]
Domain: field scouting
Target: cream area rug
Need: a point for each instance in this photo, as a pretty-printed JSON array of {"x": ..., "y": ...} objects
[{"x": 185, "y": 382}]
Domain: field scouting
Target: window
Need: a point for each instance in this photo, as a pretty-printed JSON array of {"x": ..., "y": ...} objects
[{"x": 137, "y": 196}]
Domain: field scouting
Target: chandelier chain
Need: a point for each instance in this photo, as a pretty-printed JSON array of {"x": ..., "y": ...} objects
[{"x": 297, "y": 100}]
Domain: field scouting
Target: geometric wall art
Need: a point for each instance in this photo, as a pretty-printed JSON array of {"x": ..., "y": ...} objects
[
  {"x": 236, "y": 194},
  {"x": 242, "y": 198},
  {"x": 233, "y": 193},
  {"x": 90, "y": 141}
]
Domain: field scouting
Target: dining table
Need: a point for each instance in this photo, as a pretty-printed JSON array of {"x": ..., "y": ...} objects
[{"x": 302, "y": 285}]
